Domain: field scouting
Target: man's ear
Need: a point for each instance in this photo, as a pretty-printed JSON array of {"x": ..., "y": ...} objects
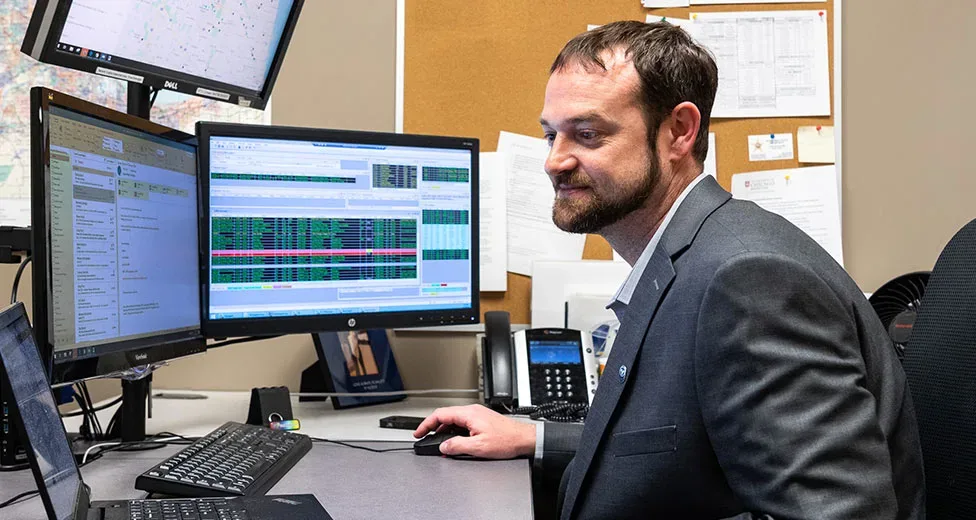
[{"x": 682, "y": 127}]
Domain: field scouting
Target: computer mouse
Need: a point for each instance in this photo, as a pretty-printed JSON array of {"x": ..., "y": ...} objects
[{"x": 431, "y": 443}]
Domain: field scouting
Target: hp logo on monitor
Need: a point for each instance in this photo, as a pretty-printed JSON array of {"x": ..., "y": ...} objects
[{"x": 352, "y": 322}]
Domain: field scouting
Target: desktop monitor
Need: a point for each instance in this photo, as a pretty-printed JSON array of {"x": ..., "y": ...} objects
[
  {"x": 228, "y": 51},
  {"x": 306, "y": 230},
  {"x": 114, "y": 214}
]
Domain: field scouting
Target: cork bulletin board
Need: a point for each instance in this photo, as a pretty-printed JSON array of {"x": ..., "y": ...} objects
[{"x": 475, "y": 68}]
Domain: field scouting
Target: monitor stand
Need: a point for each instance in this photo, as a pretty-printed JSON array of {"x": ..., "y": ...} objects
[
  {"x": 132, "y": 413},
  {"x": 128, "y": 422}
]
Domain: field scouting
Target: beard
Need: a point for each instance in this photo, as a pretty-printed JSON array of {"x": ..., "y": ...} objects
[{"x": 602, "y": 207}]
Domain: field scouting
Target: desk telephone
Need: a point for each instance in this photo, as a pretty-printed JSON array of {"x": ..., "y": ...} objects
[{"x": 536, "y": 368}]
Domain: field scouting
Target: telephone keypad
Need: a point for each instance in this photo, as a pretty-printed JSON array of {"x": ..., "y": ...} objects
[{"x": 567, "y": 378}]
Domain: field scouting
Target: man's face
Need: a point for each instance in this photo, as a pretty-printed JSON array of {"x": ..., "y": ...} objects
[{"x": 599, "y": 161}]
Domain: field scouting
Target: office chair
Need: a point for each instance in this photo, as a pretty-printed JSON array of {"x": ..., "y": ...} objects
[{"x": 940, "y": 362}]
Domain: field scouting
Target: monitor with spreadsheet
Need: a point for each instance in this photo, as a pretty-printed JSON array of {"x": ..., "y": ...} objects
[
  {"x": 307, "y": 230},
  {"x": 114, "y": 213}
]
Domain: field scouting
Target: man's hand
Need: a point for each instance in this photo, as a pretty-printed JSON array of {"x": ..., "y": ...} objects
[{"x": 493, "y": 436}]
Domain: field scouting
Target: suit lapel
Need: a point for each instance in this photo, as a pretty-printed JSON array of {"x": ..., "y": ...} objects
[{"x": 653, "y": 285}]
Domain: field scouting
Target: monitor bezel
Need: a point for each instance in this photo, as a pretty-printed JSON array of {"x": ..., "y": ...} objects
[
  {"x": 131, "y": 353},
  {"x": 223, "y": 328},
  {"x": 47, "y": 22}
]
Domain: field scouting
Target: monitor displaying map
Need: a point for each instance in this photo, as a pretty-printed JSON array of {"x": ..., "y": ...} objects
[{"x": 228, "y": 50}]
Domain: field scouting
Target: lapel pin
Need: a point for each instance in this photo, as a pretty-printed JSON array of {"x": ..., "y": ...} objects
[{"x": 623, "y": 373}]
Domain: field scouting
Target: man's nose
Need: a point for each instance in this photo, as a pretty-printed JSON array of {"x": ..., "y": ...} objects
[{"x": 560, "y": 158}]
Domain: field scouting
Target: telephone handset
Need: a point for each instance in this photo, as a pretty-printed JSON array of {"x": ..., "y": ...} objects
[
  {"x": 498, "y": 360},
  {"x": 536, "y": 367}
]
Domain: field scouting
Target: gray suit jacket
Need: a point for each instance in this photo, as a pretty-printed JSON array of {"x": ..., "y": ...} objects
[{"x": 750, "y": 377}]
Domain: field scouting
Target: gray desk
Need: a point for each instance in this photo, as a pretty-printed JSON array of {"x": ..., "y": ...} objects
[{"x": 350, "y": 483}]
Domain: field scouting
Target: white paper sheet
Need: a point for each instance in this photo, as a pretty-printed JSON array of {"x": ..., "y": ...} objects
[
  {"x": 711, "y": 164},
  {"x": 591, "y": 26},
  {"x": 815, "y": 144},
  {"x": 531, "y": 234},
  {"x": 770, "y": 147},
  {"x": 770, "y": 63},
  {"x": 553, "y": 282},
  {"x": 714, "y": 2},
  {"x": 807, "y": 197},
  {"x": 494, "y": 232}
]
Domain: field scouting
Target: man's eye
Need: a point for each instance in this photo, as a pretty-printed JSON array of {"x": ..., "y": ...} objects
[
  {"x": 587, "y": 135},
  {"x": 550, "y": 137}
]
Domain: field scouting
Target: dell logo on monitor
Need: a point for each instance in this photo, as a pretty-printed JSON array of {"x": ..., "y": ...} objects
[{"x": 171, "y": 84}]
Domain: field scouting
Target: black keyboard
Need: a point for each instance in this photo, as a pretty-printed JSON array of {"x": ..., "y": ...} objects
[
  {"x": 233, "y": 460},
  {"x": 189, "y": 509}
]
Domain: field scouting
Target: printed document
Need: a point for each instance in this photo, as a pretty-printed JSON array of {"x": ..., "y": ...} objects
[
  {"x": 770, "y": 147},
  {"x": 770, "y": 63},
  {"x": 807, "y": 197},
  {"x": 493, "y": 240},
  {"x": 531, "y": 234}
]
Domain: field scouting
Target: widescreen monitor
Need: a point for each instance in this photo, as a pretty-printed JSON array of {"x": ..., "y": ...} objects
[
  {"x": 225, "y": 50},
  {"x": 114, "y": 213},
  {"x": 308, "y": 230}
]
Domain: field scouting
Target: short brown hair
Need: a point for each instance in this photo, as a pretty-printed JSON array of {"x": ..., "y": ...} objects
[{"x": 673, "y": 68}]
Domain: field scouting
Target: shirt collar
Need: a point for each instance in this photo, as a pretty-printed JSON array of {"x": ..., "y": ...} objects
[{"x": 626, "y": 291}]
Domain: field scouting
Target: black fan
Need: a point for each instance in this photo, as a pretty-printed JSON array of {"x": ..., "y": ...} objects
[{"x": 897, "y": 303}]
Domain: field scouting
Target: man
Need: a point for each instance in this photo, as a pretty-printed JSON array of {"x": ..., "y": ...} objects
[{"x": 750, "y": 377}]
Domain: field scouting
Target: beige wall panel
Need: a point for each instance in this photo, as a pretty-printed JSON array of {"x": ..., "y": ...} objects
[{"x": 908, "y": 117}]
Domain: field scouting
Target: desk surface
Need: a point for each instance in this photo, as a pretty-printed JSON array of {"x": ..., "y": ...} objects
[{"x": 350, "y": 483}]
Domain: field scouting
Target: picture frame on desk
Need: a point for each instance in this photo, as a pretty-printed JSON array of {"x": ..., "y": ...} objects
[{"x": 356, "y": 361}]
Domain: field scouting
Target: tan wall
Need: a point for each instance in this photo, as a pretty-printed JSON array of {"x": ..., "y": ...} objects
[{"x": 908, "y": 130}]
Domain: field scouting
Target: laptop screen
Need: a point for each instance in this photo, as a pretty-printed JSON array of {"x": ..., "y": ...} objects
[{"x": 42, "y": 423}]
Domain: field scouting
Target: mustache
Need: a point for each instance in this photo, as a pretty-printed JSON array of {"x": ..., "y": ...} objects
[{"x": 572, "y": 179}]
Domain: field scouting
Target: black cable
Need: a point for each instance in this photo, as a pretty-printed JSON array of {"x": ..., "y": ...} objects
[
  {"x": 239, "y": 340},
  {"x": 14, "y": 500},
  {"x": 86, "y": 428},
  {"x": 98, "y": 409},
  {"x": 556, "y": 411},
  {"x": 91, "y": 405},
  {"x": 346, "y": 444},
  {"x": 20, "y": 271}
]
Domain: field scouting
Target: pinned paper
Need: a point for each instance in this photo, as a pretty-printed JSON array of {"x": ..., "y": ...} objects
[
  {"x": 770, "y": 147},
  {"x": 770, "y": 63},
  {"x": 591, "y": 26},
  {"x": 815, "y": 144},
  {"x": 807, "y": 197}
]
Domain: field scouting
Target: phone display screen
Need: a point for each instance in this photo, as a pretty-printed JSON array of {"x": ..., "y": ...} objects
[{"x": 551, "y": 352}]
